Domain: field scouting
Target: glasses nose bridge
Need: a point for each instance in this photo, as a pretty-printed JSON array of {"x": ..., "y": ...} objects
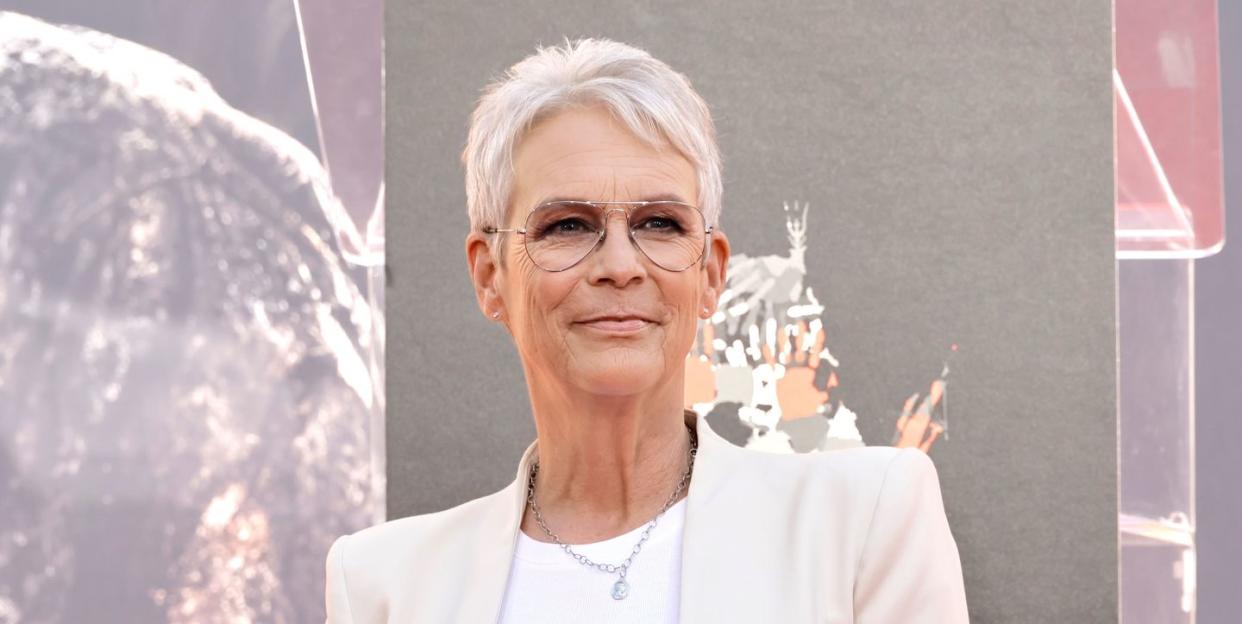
[{"x": 606, "y": 212}]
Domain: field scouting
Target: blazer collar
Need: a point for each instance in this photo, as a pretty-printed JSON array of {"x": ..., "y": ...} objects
[{"x": 498, "y": 542}]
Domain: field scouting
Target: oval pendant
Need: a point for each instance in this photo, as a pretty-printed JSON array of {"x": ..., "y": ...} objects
[{"x": 620, "y": 589}]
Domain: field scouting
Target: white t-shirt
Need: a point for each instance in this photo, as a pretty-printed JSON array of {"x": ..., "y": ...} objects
[{"x": 548, "y": 586}]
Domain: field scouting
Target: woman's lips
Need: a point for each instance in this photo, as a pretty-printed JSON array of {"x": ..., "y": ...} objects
[{"x": 617, "y": 325}]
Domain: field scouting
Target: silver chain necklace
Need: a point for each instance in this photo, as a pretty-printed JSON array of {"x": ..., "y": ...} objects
[{"x": 621, "y": 588}]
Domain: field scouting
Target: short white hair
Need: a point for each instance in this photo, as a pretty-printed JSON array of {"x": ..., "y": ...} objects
[{"x": 654, "y": 102}]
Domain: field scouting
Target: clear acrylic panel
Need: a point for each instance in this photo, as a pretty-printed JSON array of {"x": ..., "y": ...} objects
[
  {"x": 1170, "y": 210},
  {"x": 1156, "y": 447},
  {"x": 1170, "y": 193}
]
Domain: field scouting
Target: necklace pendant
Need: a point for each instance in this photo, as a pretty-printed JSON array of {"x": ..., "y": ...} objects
[{"x": 620, "y": 590}]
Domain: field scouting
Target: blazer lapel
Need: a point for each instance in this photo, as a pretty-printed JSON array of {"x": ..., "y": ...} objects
[
  {"x": 498, "y": 539},
  {"x": 711, "y": 580}
]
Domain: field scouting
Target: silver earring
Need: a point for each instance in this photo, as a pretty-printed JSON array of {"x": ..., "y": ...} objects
[{"x": 495, "y": 315}]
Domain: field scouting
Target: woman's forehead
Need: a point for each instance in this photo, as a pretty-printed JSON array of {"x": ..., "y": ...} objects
[{"x": 586, "y": 154}]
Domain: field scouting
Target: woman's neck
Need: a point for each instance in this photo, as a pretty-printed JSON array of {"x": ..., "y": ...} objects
[{"x": 606, "y": 464}]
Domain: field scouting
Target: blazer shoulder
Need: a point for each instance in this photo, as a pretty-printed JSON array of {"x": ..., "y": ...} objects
[
  {"x": 875, "y": 470},
  {"x": 864, "y": 466},
  {"x": 366, "y": 567},
  {"x": 909, "y": 555},
  {"x": 844, "y": 483},
  {"x": 392, "y": 539},
  {"x": 867, "y": 459}
]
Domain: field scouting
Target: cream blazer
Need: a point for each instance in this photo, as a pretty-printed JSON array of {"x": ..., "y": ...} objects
[{"x": 855, "y": 535}]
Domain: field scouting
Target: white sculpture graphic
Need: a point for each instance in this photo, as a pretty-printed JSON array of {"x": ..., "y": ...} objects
[
  {"x": 768, "y": 284},
  {"x": 763, "y": 351}
]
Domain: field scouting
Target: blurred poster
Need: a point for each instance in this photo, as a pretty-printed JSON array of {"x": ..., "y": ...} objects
[{"x": 191, "y": 326}]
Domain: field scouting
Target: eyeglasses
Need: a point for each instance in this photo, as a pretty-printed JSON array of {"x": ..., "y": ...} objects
[{"x": 560, "y": 234}]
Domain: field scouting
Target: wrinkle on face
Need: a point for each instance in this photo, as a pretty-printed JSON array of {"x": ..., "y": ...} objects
[{"x": 583, "y": 153}]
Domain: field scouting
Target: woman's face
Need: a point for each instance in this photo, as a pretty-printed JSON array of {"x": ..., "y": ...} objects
[{"x": 615, "y": 323}]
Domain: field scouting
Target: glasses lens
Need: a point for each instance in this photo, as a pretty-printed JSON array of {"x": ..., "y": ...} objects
[
  {"x": 671, "y": 234},
  {"x": 560, "y": 234}
]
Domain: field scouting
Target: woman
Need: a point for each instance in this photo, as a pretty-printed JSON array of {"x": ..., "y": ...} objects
[{"x": 593, "y": 185}]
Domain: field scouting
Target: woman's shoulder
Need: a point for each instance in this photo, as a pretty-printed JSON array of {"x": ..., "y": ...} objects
[
  {"x": 389, "y": 567},
  {"x": 876, "y": 464},
  {"x": 384, "y": 551},
  {"x": 410, "y": 531},
  {"x": 848, "y": 481},
  {"x": 883, "y": 471},
  {"x": 865, "y": 463}
]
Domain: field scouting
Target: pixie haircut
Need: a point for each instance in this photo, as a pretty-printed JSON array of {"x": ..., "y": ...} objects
[{"x": 653, "y": 101}]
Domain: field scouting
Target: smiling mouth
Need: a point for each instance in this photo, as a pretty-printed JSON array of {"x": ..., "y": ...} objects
[{"x": 617, "y": 324}]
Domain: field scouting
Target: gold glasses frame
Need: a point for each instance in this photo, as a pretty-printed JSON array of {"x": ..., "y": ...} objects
[{"x": 704, "y": 253}]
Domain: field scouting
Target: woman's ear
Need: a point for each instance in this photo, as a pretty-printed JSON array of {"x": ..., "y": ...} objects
[
  {"x": 485, "y": 274},
  {"x": 716, "y": 267}
]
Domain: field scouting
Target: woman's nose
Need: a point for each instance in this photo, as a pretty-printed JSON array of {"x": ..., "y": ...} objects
[{"x": 619, "y": 260}]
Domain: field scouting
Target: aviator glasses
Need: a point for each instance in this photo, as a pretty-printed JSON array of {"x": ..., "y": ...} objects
[{"x": 560, "y": 234}]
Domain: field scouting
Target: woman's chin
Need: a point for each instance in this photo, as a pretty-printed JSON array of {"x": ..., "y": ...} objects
[{"x": 618, "y": 376}]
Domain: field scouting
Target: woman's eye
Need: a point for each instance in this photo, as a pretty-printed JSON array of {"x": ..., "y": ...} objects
[
  {"x": 660, "y": 224},
  {"x": 567, "y": 226}
]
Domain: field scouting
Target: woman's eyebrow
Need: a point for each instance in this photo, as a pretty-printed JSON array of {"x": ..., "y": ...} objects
[
  {"x": 666, "y": 197},
  {"x": 648, "y": 198}
]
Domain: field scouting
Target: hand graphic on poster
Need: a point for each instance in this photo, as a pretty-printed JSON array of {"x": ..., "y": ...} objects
[
  {"x": 917, "y": 429},
  {"x": 764, "y": 350},
  {"x": 801, "y": 351}
]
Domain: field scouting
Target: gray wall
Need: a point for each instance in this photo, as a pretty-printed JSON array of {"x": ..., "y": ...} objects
[
  {"x": 1218, "y": 362},
  {"x": 958, "y": 158}
]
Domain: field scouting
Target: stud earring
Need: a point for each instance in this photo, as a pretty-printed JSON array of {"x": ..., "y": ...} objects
[{"x": 495, "y": 315}]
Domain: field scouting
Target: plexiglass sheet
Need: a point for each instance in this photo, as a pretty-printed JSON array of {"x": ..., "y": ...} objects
[
  {"x": 1170, "y": 196},
  {"x": 190, "y": 378},
  {"x": 1156, "y": 454}
]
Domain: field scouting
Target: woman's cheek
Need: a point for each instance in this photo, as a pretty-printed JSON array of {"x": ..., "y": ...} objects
[{"x": 682, "y": 336}]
